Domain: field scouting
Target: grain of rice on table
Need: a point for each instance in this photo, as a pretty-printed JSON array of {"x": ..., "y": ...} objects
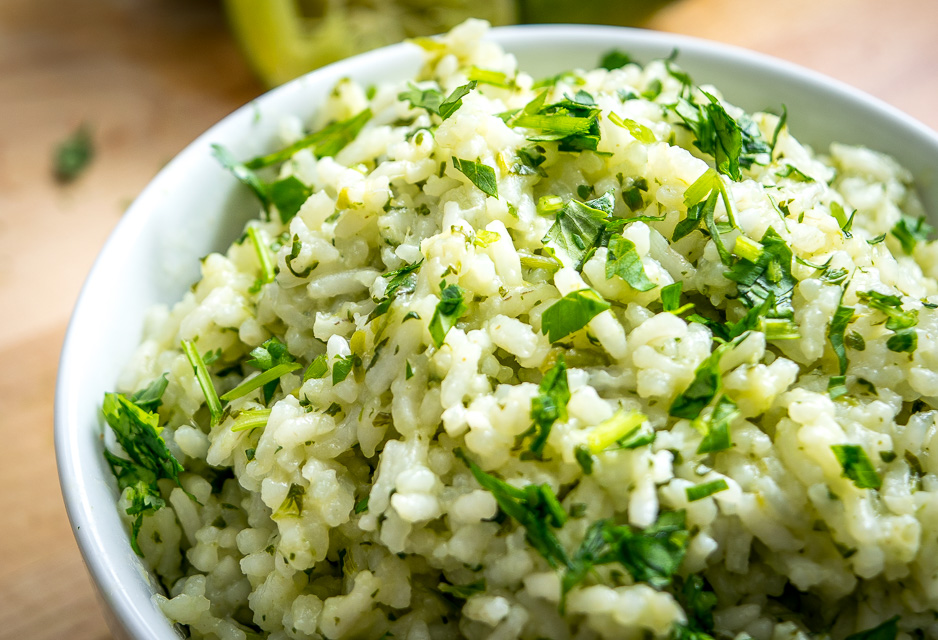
[{"x": 600, "y": 356}]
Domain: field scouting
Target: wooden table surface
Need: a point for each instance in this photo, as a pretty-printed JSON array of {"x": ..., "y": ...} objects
[{"x": 148, "y": 76}]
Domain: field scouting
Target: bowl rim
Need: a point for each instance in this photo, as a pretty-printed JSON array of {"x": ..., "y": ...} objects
[{"x": 78, "y": 474}]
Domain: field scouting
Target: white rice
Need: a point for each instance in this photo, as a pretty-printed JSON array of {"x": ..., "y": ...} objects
[{"x": 792, "y": 548}]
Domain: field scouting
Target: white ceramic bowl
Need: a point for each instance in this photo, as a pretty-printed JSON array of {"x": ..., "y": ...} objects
[{"x": 193, "y": 207}]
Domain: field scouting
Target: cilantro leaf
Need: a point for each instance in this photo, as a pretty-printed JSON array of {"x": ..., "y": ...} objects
[
  {"x": 204, "y": 380},
  {"x": 639, "y": 131},
  {"x": 579, "y": 227},
  {"x": 733, "y": 144},
  {"x": 572, "y": 122},
  {"x": 905, "y": 338},
  {"x": 151, "y": 397},
  {"x": 462, "y": 591},
  {"x": 614, "y": 59},
  {"x": 888, "y": 630},
  {"x": 400, "y": 282},
  {"x": 623, "y": 260},
  {"x": 704, "y": 387},
  {"x": 857, "y": 466},
  {"x": 548, "y": 406},
  {"x": 288, "y": 195},
  {"x": 910, "y": 232},
  {"x": 449, "y": 309},
  {"x": 535, "y": 507},
  {"x": 769, "y": 274},
  {"x": 343, "y": 366},
  {"x": 705, "y": 489},
  {"x": 836, "y": 332},
  {"x": 717, "y": 435},
  {"x": 481, "y": 175},
  {"x": 137, "y": 431},
  {"x": 571, "y": 313},
  {"x": 325, "y": 143},
  {"x": 432, "y": 99},
  {"x": 73, "y": 155}
]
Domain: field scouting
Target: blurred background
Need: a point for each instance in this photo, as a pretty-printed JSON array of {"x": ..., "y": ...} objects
[{"x": 97, "y": 95}]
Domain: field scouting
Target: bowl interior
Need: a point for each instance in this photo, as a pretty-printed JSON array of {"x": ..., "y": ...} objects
[{"x": 194, "y": 207}]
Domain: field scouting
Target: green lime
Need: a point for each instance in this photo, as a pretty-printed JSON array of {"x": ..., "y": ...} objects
[{"x": 283, "y": 39}]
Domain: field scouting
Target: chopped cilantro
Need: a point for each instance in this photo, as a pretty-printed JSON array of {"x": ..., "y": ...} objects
[
  {"x": 317, "y": 369},
  {"x": 836, "y": 335},
  {"x": 584, "y": 458},
  {"x": 888, "y": 630},
  {"x": 343, "y": 366},
  {"x": 579, "y": 226},
  {"x": 73, "y": 155},
  {"x": 481, "y": 175},
  {"x": 623, "y": 260},
  {"x": 909, "y": 232},
  {"x": 324, "y": 143},
  {"x": 717, "y": 429},
  {"x": 287, "y": 195},
  {"x": 362, "y": 505},
  {"x": 292, "y": 505},
  {"x": 529, "y": 162},
  {"x": 857, "y": 466},
  {"x": 671, "y": 297},
  {"x": 571, "y": 313},
  {"x": 548, "y": 406},
  {"x": 706, "y": 489},
  {"x": 902, "y": 323},
  {"x": 400, "y": 282},
  {"x": 204, "y": 380},
  {"x": 295, "y": 248},
  {"x": 137, "y": 431},
  {"x": 535, "y": 507},
  {"x": 432, "y": 99},
  {"x": 639, "y": 131},
  {"x": 769, "y": 275},
  {"x": 273, "y": 356},
  {"x": 793, "y": 172},
  {"x": 264, "y": 259},
  {"x": 614, "y": 59},
  {"x": 462, "y": 591},
  {"x": 572, "y": 122},
  {"x": 449, "y": 309},
  {"x": 733, "y": 144}
]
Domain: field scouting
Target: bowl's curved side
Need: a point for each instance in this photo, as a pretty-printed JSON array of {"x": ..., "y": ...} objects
[{"x": 193, "y": 207}]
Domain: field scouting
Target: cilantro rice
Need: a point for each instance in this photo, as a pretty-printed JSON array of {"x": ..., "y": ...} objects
[{"x": 598, "y": 356}]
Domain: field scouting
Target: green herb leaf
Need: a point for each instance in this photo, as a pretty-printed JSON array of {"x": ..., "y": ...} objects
[
  {"x": 264, "y": 259},
  {"x": 292, "y": 505},
  {"x": 614, "y": 59},
  {"x": 73, "y": 155},
  {"x": 732, "y": 144},
  {"x": 706, "y": 489},
  {"x": 288, "y": 195},
  {"x": 151, "y": 397},
  {"x": 137, "y": 431},
  {"x": 317, "y": 369},
  {"x": 432, "y": 99},
  {"x": 639, "y": 131},
  {"x": 535, "y": 508},
  {"x": 584, "y": 458},
  {"x": 909, "y": 232},
  {"x": 579, "y": 227},
  {"x": 481, "y": 175},
  {"x": 671, "y": 296},
  {"x": 770, "y": 274},
  {"x": 717, "y": 436},
  {"x": 343, "y": 366},
  {"x": 400, "y": 282},
  {"x": 793, "y": 172},
  {"x": 888, "y": 630},
  {"x": 548, "y": 406},
  {"x": 362, "y": 505},
  {"x": 325, "y": 143},
  {"x": 857, "y": 466},
  {"x": 449, "y": 310},
  {"x": 571, "y": 313},
  {"x": 462, "y": 591},
  {"x": 204, "y": 380},
  {"x": 623, "y": 260},
  {"x": 836, "y": 333},
  {"x": 271, "y": 375}
]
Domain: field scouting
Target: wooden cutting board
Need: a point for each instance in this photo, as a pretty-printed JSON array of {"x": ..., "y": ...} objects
[{"x": 148, "y": 76}]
